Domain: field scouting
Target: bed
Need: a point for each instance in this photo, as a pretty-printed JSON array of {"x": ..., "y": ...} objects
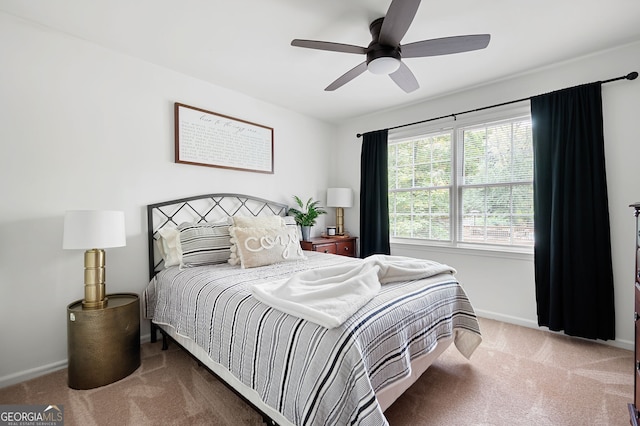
[{"x": 289, "y": 367}]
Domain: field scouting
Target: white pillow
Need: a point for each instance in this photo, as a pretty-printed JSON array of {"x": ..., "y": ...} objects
[
  {"x": 258, "y": 222},
  {"x": 169, "y": 246},
  {"x": 265, "y": 246},
  {"x": 290, "y": 221},
  {"x": 263, "y": 222}
]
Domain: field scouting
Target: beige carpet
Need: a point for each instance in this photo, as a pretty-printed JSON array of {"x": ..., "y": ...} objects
[{"x": 518, "y": 376}]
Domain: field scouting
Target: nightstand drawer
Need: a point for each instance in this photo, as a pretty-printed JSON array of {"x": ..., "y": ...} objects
[
  {"x": 343, "y": 246},
  {"x": 326, "y": 248},
  {"x": 346, "y": 248}
]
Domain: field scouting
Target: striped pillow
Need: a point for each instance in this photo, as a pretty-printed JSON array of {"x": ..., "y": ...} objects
[{"x": 204, "y": 243}]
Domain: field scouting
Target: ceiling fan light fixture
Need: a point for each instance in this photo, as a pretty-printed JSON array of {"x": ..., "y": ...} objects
[
  {"x": 384, "y": 65},
  {"x": 386, "y": 50}
]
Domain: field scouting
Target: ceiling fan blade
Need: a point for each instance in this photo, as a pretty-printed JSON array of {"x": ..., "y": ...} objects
[
  {"x": 347, "y": 77},
  {"x": 397, "y": 21},
  {"x": 327, "y": 45},
  {"x": 445, "y": 45},
  {"x": 405, "y": 79}
]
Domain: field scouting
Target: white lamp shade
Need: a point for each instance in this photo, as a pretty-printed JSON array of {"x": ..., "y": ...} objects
[
  {"x": 93, "y": 229},
  {"x": 339, "y": 197}
]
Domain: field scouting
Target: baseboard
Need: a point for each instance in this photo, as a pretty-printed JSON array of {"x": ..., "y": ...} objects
[
  {"x": 32, "y": 373},
  {"x": 618, "y": 343},
  {"x": 506, "y": 318}
]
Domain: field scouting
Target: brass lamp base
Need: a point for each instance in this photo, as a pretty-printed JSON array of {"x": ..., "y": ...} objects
[
  {"x": 339, "y": 221},
  {"x": 94, "y": 276},
  {"x": 95, "y": 305}
]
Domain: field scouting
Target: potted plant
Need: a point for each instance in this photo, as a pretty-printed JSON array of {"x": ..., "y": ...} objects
[{"x": 306, "y": 215}]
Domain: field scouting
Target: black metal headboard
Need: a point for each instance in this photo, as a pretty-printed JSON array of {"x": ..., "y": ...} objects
[{"x": 202, "y": 208}]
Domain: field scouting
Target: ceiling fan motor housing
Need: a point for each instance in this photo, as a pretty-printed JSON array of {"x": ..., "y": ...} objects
[{"x": 375, "y": 50}]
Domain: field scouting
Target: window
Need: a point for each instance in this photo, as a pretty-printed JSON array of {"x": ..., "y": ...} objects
[{"x": 470, "y": 184}]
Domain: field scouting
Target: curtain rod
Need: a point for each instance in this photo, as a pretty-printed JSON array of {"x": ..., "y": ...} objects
[{"x": 631, "y": 76}]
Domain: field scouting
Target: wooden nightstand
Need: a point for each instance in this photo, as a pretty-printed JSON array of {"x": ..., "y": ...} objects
[
  {"x": 344, "y": 246},
  {"x": 103, "y": 345}
]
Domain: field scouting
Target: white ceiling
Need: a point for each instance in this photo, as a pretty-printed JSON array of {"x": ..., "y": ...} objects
[{"x": 245, "y": 44}]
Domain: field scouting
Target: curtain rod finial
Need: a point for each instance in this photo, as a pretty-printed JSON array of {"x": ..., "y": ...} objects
[
  {"x": 632, "y": 75},
  {"x": 359, "y": 135}
]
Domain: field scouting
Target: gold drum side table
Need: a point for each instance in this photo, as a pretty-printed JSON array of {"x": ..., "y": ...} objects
[{"x": 103, "y": 345}]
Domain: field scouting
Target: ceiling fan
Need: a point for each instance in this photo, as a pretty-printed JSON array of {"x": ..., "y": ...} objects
[{"x": 385, "y": 53}]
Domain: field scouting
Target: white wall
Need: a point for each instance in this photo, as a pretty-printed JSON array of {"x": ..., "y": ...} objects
[
  {"x": 83, "y": 127},
  {"x": 503, "y": 287}
]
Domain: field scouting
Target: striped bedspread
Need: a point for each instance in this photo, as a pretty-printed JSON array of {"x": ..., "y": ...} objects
[{"x": 311, "y": 374}]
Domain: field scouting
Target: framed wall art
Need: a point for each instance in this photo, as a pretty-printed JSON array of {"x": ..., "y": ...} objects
[{"x": 210, "y": 139}]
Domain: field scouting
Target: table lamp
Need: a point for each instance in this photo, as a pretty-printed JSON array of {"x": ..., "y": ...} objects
[
  {"x": 339, "y": 198},
  {"x": 94, "y": 230}
]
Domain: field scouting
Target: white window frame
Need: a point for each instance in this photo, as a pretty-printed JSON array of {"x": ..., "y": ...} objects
[{"x": 455, "y": 124}]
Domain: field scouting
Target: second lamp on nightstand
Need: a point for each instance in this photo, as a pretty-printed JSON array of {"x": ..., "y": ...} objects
[{"x": 339, "y": 198}]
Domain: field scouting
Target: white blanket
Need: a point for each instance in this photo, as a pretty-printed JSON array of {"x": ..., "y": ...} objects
[
  {"x": 329, "y": 296},
  {"x": 401, "y": 268}
]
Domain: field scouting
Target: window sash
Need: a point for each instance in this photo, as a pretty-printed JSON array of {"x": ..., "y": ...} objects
[{"x": 420, "y": 187}]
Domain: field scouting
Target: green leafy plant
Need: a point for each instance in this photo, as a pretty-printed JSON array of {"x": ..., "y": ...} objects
[{"x": 306, "y": 214}]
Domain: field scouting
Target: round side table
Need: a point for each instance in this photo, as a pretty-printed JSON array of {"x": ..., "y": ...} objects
[{"x": 103, "y": 345}]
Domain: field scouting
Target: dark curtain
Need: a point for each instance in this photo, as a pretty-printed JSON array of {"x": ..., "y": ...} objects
[
  {"x": 573, "y": 270},
  {"x": 374, "y": 196}
]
